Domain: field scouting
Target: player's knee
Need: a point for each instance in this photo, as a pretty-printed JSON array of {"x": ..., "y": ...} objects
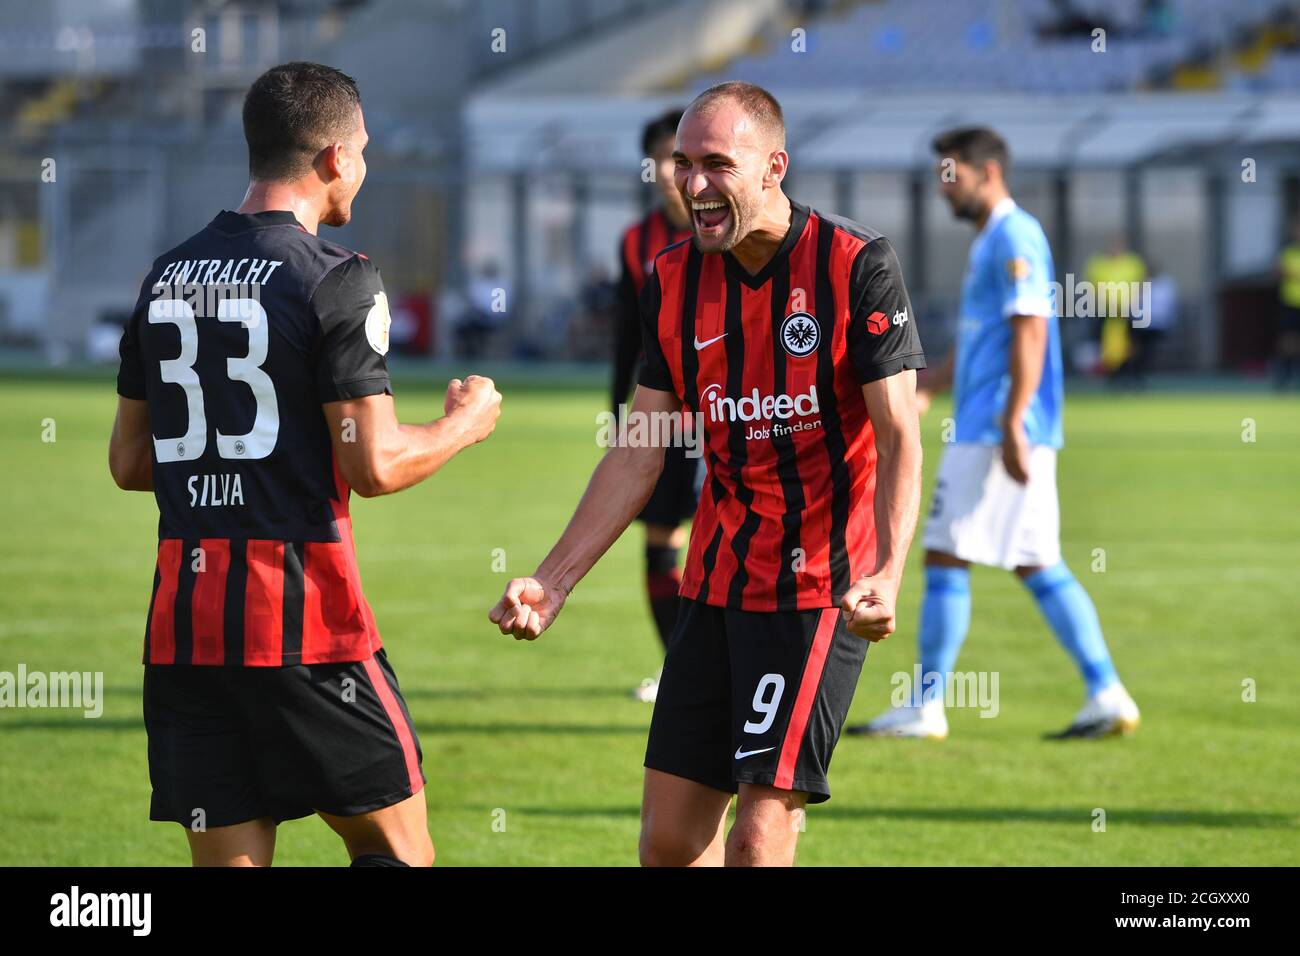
[
  {"x": 662, "y": 847},
  {"x": 424, "y": 853},
  {"x": 420, "y": 851},
  {"x": 749, "y": 840},
  {"x": 763, "y": 824},
  {"x": 759, "y": 836}
]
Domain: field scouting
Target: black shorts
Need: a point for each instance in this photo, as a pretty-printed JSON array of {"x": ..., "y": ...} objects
[
  {"x": 751, "y": 697},
  {"x": 677, "y": 491},
  {"x": 242, "y": 743}
]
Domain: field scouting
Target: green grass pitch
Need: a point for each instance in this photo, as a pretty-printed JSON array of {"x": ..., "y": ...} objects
[{"x": 533, "y": 751}]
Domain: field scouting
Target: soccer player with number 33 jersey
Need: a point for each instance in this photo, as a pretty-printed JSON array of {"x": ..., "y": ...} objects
[{"x": 254, "y": 396}]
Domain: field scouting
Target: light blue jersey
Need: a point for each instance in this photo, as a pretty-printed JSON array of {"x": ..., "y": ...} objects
[{"x": 1009, "y": 273}]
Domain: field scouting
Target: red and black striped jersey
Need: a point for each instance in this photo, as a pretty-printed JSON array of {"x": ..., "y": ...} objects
[
  {"x": 643, "y": 241},
  {"x": 772, "y": 367},
  {"x": 637, "y": 250},
  {"x": 239, "y": 335}
]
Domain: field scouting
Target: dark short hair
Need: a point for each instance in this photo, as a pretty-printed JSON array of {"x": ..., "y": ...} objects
[
  {"x": 974, "y": 145},
  {"x": 662, "y": 125},
  {"x": 753, "y": 99},
  {"x": 292, "y": 112}
]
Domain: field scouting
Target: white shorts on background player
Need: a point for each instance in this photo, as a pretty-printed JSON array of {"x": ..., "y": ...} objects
[{"x": 982, "y": 515}]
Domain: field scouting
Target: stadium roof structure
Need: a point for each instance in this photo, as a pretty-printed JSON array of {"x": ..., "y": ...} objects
[
  {"x": 1276, "y": 120},
  {"x": 836, "y": 131}
]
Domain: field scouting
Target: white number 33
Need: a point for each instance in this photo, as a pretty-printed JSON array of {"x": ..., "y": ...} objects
[{"x": 257, "y": 443}]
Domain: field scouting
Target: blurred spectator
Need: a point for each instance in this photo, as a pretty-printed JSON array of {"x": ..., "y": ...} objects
[
  {"x": 104, "y": 336},
  {"x": 1161, "y": 315},
  {"x": 1288, "y": 319},
  {"x": 1115, "y": 275},
  {"x": 589, "y": 333},
  {"x": 487, "y": 302}
]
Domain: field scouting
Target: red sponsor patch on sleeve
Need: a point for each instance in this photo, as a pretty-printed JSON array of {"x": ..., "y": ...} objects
[{"x": 877, "y": 322}]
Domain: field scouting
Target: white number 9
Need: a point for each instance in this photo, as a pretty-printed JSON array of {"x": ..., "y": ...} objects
[{"x": 767, "y": 708}]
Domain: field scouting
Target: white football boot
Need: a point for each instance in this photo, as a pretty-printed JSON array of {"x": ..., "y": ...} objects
[
  {"x": 1110, "y": 712},
  {"x": 928, "y": 721}
]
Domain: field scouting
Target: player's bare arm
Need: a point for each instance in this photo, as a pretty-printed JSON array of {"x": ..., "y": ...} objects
[
  {"x": 1028, "y": 349},
  {"x": 130, "y": 449},
  {"x": 377, "y": 455},
  {"x": 869, "y": 605},
  {"x": 619, "y": 488}
]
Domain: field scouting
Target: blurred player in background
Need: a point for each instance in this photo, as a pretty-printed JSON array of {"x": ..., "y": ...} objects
[
  {"x": 789, "y": 334},
  {"x": 254, "y": 394},
  {"x": 1119, "y": 267},
  {"x": 995, "y": 500},
  {"x": 676, "y": 493}
]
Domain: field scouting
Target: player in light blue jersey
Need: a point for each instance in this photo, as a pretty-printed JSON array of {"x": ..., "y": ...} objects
[{"x": 995, "y": 499}]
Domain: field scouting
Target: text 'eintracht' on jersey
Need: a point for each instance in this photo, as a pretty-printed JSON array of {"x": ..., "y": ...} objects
[
  {"x": 239, "y": 335},
  {"x": 773, "y": 366}
]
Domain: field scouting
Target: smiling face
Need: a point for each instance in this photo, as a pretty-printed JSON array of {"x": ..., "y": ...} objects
[{"x": 723, "y": 164}]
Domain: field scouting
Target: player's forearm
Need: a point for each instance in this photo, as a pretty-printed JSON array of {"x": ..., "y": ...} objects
[
  {"x": 409, "y": 455},
  {"x": 130, "y": 456},
  {"x": 132, "y": 472},
  {"x": 898, "y": 496},
  {"x": 619, "y": 488},
  {"x": 1028, "y": 349}
]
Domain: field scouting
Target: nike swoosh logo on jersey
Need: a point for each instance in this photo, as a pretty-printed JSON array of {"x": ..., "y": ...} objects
[
  {"x": 699, "y": 345},
  {"x": 742, "y": 754}
]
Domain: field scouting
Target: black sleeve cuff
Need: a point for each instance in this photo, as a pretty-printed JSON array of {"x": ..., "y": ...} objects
[
  {"x": 130, "y": 389},
  {"x": 361, "y": 388},
  {"x": 893, "y": 366},
  {"x": 650, "y": 380}
]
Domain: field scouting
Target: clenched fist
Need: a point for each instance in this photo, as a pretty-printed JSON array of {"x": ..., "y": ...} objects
[
  {"x": 476, "y": 403},
  {"x": 868, "y": 608},
  {"x": 527, "y": 608}
]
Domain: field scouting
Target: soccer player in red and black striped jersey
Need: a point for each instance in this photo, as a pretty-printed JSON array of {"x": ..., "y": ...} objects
[
  {"x": 253, "y": 395},
  {"x": 788, "y": 336},
  {"x": 676, "y": 492}
]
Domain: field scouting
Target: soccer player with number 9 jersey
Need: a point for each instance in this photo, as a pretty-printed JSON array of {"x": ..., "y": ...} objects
[{"x": 788, "y": 336}]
